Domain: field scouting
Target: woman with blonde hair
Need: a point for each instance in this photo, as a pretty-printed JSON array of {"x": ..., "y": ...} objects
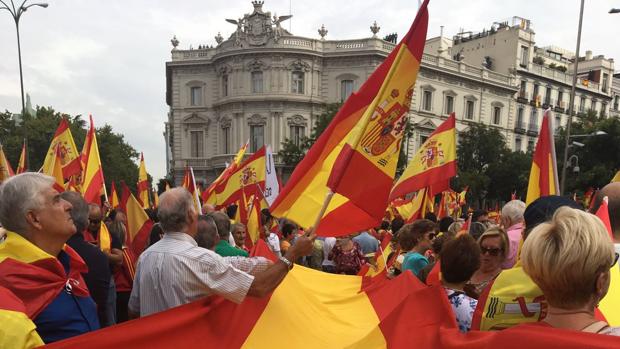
[
  {"x": 494, "y": 245},
  {"x": 569, "y": 258}
]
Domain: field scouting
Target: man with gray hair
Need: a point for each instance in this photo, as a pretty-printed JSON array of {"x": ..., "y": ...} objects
[
  {"x": 176, "y": 271},
  {"x": 512, "y": 222},
  {"x": 99, "y": 275},
  {"x": 38, "y": 224}
]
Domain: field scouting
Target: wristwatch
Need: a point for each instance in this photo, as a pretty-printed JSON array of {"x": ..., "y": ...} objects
[{"x": 288, "y": 263}]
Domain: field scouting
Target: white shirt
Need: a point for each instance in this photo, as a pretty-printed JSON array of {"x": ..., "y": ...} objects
[
  {"x": 328, "y": 244},
  {"x": 175, "y": 271}
]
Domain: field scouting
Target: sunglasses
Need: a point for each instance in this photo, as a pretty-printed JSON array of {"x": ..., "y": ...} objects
[
  {"x": 431, "y": 236},
  {"x": 490, "y": 251}
]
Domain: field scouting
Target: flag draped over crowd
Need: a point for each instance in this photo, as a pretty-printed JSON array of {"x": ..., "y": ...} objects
[{"x": 364, "y": 137}]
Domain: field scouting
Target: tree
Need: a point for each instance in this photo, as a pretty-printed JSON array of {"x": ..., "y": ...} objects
[{"x": 117, "y": 156}]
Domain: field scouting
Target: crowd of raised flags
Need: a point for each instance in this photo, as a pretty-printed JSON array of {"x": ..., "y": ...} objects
[{"x": 345, "y": 184}]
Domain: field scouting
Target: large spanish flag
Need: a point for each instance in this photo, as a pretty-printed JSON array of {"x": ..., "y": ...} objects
[
  {"x": 22, "y": 166},
  {"x": 138, "y": 223},
  {"x": 208, "y": 196},
  {"x": 410, "y": 210},
  {"x": 6, "y": 170},
  {"x": 93, "y": 184},
  {"x": 544, "y": 172},
  {"x": 143, "y": 184},
  {"x": 70, "y": 158},
  {"x": 434, "y": 162},
  {"x": 246, "y": 180},
  {"x": 355, "y": 158}
]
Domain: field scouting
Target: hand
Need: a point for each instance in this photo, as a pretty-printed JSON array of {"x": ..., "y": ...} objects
[{"x": 303, "y": 246}]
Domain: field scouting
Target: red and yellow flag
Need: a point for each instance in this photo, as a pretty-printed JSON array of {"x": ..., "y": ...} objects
[
  {"x": 544, "y": 172},
  {"x": 189, "y": 183},
  {"x": 114, "y": 196},
  {"x": 22, "y": 166},
  {"x": 138, "y": 223},
  {"x": 55, "y": 170},
  {"x": 155, "y": 198},
  {"x": 6, "y": 170},
  {"x": 410, "y": 210},
  {"x": 143, "y": 184},
  {"x": 73, "y": 185},
  {"x": 359, "y": 149},
  {"x": 70, "y": 159},
  {"x": 208, "y": 196},
  {"x": 435, "y": 161},
  {"x": 93, "y": 184},
  {"x": 246, "y": 180},
  {"x": 616, "y": 177}
]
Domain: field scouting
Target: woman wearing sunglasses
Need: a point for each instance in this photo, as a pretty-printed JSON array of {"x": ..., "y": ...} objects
[
  {"x": 416, "y": 238},
  {"x": 493, "y": 246},
  {"x": 569, "y": 258}
]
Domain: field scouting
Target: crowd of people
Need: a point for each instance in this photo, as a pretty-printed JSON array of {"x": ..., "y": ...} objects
[{"x": 88, "y": 278}]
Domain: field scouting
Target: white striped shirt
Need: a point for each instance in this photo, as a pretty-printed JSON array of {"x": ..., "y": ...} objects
[{"x": 175, "y": 271}]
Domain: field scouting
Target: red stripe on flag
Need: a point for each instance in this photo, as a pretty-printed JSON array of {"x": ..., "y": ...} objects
[{"x": 425, "y": 179}]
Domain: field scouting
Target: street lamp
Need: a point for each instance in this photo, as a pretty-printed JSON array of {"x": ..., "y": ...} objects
[
  {"x": 572, "y": 100},
  {"x": 17, "y": 13},
  {"x": 593, "y": 134},
  {"x": 614, "y": 10}
]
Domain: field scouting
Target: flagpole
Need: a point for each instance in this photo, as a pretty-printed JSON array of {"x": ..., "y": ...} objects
[
  {"x": 328, "y": 198},
  {"x": 552, "y": 141}
]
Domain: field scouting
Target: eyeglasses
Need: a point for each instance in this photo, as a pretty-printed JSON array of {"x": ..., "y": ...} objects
[{"x": 490, "y": 251}]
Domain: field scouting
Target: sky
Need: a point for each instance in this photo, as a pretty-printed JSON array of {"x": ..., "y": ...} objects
[{"x": 107, "y": 58}]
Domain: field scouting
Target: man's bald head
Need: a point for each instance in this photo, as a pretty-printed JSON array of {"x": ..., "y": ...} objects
[
  {"x": 174, "y": 210},
  {"x": 612, "y": 191}
]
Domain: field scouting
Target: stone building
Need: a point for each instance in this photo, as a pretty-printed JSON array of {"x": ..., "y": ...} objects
[{"x": 265, "y": 84}]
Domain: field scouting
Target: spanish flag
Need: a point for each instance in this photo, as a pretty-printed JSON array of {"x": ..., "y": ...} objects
[
  {"x": 611, "y": 303},
  {"x": 246, "y": 180},
  {"x": 55, "y": 170},
  {"x": 22, "y": 166},
  {"x": 410, "y": 210},
  {"x": 544, "y": 172},
  {"x": 114, "y": 196},
  {"x": 6, "y": 170},
  {"x": 189, "y": 183},
  {"x": 155, "y": 198},
  {"x": 143, "y": 184},
  {"x": 93, "y": 184},
  {"x": 345, "y": 178},
  {"x": 380, "y": 259},
  {"x": 435, "y": 161},
  {"x": 138, "y": 223},
  {"x": 208, "y": 196},
  {"x": 70, "y": 159}
]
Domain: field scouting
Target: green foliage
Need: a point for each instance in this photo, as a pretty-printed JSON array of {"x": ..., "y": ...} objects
[
  {"x": 161, "y": 184},
  {"x": 538, "y": 60},
  {"x": 117, "y": 156}
]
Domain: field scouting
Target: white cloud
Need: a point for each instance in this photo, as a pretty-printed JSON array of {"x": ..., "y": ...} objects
[{"x": 107, "y": 58}]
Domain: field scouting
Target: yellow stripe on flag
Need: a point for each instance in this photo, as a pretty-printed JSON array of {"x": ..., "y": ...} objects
[
  {"x": 610, "y": 305},
  {"x": 105, "y": 241},
  {"x": 330, "y": 308}
]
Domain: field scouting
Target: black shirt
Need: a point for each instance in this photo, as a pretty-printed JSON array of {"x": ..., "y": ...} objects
[{"x": 98, "y": 276}]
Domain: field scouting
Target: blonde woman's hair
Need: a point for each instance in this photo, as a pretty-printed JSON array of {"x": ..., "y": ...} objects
[
  {"x": 565, "y": 256},
  {"x": 494, "y": 231}
]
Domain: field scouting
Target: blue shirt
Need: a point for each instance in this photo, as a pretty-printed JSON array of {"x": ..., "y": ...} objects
[
  {"x": 367, "y": 242},
  {"x": 415, "y": 262},
  {"x": 67, "y": 315}
]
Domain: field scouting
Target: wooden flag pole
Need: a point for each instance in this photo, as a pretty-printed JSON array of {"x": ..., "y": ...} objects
[{"x": 326, "y": 202}]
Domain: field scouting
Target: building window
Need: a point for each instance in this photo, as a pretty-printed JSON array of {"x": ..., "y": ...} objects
[
  {"x": 197, "y": 144},
  {"x": 226, "y": 139},
  {"x": 225, "y": 85},
  {"x": 530, "y": 145},
  {"x": 518, "y": 144},
  {"x": 616, "y": 102},
  {"x": 257, "y": 137},
  {"x": 520, "y": 118},
  {"x": 423, "y": 138},
  {"x": 524, "y": 56},
  {"x": 548, "y": 96},
  {"x": 469, "y": 110},
  {"x": 427, "y": 100},
  {"x": 556, "y": 125},
  {"x": 522, "y": 90},
  {"x": 297, "y": 134},
  {"x": 298, "y": 82},
  {"x": 560, "y": 97},
  {"x": 257, "y": 82},
  {"x": 533, "y": 126},
  {"x": 195, "y": 95},
  {"x": 605, "y": 82},
  {"x": 497, "y": 115},
  {"x": 535, "y": 93},
  {"x": 582, "y": 104},
  {"x": 346, "y": 88},
  {"x": 449, "y": 104}
]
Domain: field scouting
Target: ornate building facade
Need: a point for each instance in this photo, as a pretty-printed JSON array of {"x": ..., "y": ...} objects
[{"x": 265, "y": 84}]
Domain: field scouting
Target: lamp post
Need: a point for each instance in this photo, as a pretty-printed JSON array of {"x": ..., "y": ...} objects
[
  {"x": 614, "y": 10},
  {"x": 572, "y": 101},
  {"x": 17, "y": 12}
]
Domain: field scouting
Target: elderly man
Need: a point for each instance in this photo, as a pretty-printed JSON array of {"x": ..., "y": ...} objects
[
  {"x": 512, "y": 221},
  {"x": 99, "y": 276},
  {"x": 176, "y": 271},
  {"x": 39, "y": 224},
  {"x": 223, "y": 246}
]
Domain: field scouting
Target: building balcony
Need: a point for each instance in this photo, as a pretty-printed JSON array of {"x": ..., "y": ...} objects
[
  {"x": 520, "y": 128},
  {"x": 558, "y": 109},
  {"x": 532, "y": 130}
]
